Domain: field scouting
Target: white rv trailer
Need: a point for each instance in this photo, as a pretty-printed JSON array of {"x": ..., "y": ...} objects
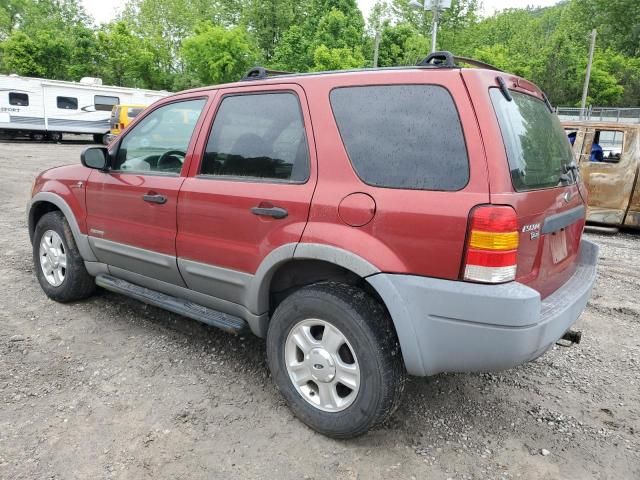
[{"x": 45, "y": 109}]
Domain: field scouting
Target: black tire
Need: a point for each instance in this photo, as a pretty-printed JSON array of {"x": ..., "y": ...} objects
[
  {"x": 37, "y": 136},
  {"x": 367, "y": 327},
  {"x": 77, "y": 283},
  {"x": 54, "y": 136},
  {"x": 98, "y": 138}
]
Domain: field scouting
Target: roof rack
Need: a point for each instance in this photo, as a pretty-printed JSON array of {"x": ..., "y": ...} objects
[
  {"x": 260, "y": 73},
  {"x": 446, "y": 59}
]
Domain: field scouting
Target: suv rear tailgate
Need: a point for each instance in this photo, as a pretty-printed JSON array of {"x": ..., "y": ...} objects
[{"x": 532, "y": 170}]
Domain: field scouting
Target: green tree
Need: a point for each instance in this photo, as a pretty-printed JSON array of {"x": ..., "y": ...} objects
[{"x": 218, "y": 55}]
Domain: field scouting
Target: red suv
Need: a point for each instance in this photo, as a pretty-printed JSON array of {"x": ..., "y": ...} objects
[{"x": 369, "y": 224}]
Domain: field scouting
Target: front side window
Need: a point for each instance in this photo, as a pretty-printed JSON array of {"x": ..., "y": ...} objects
[
  {"x": 104, "y": 103},
  {"x": 159, "y": 142},
  {"x": 18, "y": 99},
  {"x": 258, "y": 136},
  {"x": 402, "y": 136},
  {"x": 537, "y": 149},
  {"x": 67, "y": 103}
]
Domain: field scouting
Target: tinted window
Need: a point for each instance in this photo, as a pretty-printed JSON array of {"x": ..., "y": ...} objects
[
  {"x": 67, "y": 103},
  {"x": 537, "y": 148},
  {"x": 160, "y": 140},
  {"x": 105, "y": 104},
  {"x": 19, "y": 99},
  {"x": 402, "y": 136},
  {"x": 258, "y": 136}
]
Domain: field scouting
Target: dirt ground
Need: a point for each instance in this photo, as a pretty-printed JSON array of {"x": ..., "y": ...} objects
[{"x": 111, "y": 388}]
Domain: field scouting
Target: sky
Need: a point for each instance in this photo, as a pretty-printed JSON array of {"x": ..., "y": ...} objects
[{"x": 105, "y": 10}]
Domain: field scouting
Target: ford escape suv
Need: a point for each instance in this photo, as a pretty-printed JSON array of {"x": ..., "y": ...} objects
[{"x": 368, "y": 224}]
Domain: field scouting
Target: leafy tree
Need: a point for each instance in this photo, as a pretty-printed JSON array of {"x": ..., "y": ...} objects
[
  {"x": 401, "y": 45},
  {"x": 218, "y": 55}
]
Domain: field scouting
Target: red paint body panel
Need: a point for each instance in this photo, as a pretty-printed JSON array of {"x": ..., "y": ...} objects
[
  {"x": 116, "y": 208},
  {"x": 68, "y": 182},
  {"x": 535, "y": 265},
  {"x": 215, "y": 223},
  {"x": 411, "y": 231}
]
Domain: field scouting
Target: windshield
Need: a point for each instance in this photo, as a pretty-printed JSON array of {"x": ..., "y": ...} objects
[{"x": 538, "y": 150}]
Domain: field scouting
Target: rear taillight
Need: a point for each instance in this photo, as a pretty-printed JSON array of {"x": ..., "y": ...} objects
[{"x": 492, "y": 245}]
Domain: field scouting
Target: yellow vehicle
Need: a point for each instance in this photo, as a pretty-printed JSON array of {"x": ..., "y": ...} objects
[{"x": 121, "y": 116}]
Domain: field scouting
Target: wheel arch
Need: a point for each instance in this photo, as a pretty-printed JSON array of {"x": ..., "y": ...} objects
[{"x": 45, "y": 202}]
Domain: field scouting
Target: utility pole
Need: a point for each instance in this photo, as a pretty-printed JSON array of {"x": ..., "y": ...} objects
[
  {"x": 436, "y": 6},
  {"x": 376, "y": 49},
  {"x": 585, "y": 90},
  {"x": 434, "y": 26}
]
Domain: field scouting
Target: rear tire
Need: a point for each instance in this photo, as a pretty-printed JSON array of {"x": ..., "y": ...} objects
[
  {"x": 54, "y": 136},
  {"x": 37, "y": 136},
  {"x": 367, "y": 345},
  {"x": 58, "y": 264}
]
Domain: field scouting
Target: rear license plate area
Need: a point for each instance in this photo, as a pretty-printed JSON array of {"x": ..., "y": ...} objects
[{"x": 558, "y": 243}]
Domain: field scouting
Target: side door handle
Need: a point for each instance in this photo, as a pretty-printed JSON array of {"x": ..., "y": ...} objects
[
  {"x": 155, "y": 198},
  {"x": 275, "y": 212}
]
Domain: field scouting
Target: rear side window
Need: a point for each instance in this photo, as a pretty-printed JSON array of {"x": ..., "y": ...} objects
[
  {"x": 67, "y": 103},
  {"x": 402, "y": 136},
  {"x": 258, "y": 136},
  {"x": 537, "y": 148},
  {"x": 104, "y": 103},
  {"x": 18, "y": 99}
]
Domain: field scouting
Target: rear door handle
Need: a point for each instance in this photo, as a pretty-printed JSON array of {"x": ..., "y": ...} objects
[
  {"x": 275, "y": 212},
  {"x": 154, "y": 198}
]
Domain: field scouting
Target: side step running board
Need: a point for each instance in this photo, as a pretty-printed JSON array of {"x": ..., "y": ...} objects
[{"x": 228, "y": 323}]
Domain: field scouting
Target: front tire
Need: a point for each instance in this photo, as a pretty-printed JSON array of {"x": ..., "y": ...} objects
[
  {"x": 58, "y": 264},
  {"x": 334, "y": 355}
]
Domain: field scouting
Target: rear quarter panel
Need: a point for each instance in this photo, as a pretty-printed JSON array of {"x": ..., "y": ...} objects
[{"x": 412, "y": 231}]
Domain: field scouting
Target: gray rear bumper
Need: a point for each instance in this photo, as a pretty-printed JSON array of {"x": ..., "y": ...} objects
[{"x": 453, "y": 326}]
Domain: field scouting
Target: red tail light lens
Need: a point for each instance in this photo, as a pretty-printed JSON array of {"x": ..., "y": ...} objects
[{"x": 492, "y": 245}]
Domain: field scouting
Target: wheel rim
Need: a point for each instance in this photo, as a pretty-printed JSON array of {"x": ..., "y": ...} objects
[
  {"x": 322, "y": 365},
  {"x": 53, "y": 258}
]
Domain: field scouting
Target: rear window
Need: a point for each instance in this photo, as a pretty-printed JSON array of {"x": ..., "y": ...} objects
[
  {"x": 402, "y": 136},
  {"x": 537, "y": 148}
]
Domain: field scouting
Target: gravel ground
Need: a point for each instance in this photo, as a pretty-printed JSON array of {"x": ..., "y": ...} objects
[{"x": 111, "y": 388}]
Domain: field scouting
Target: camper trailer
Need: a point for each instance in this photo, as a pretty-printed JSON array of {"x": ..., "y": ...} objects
[{"x": 46, "y": 109}]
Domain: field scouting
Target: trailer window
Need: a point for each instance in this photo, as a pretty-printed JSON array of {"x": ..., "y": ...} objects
[
  {"x": 67, "y": 103},
  {"x": 18, "y": 99},
  {"x": 104, "y": 103}
]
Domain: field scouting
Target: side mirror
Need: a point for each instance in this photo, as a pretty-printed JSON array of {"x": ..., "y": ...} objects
[{"x": 95, "y": 157}]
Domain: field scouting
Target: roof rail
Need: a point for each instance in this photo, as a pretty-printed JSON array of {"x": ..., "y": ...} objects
[
  {"x": 439, "y": 59},
  {"x": 260, "y": 73},
  {"x": 446, "y": 59}
]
